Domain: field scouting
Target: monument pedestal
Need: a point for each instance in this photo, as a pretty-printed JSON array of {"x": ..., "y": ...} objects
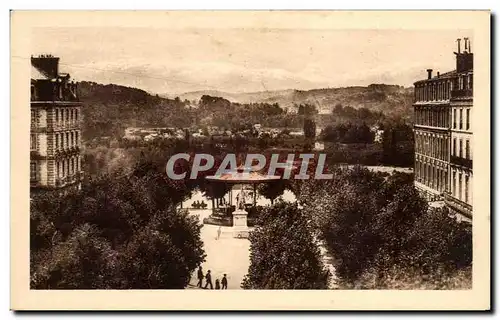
[{"x": 240, "y": 227}]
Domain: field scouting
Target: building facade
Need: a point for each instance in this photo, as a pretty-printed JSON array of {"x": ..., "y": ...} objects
[
  {"x": 443, "y": 134},
  {"x": 55, "y": 137}
]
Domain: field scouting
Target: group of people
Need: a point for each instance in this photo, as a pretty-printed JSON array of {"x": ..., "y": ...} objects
[
  {"x": 199, "y": 205},
  {"x": 208, "y": 280}
]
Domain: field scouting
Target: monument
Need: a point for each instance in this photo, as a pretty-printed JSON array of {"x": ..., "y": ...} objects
[{"x": 240, "y": 225}]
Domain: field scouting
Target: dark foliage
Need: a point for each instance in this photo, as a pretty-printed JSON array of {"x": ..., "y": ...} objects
[
  {"x": 117, "y": 233},
  {"x": 379, "y": 227},
  {"x": 283, "y": 252}
]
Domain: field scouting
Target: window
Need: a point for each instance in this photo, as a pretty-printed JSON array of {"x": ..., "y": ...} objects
[
  {"x": 467, "y": 119},
  {"x": 466, "y": 189},
  {"x": 453, "y": 184},
  {"x": 67, "y": 139},
  {"x": 438, "y": 182},
  {"x": 63, "y": 171},
  {"x": 460, "y": 148},
  {"x": 71, "y": 115},
  {"x": 72, "y": 165},
  {"x": 454, "y": 119},
  {"x": 72, "y": 139},
  {"x": 67, "y": 115},
  {"x": 445, "y": 179},
  {"x": 57, "y": 141},
  {"x": 33, "y": 117},
  {"x": 460, "y": 119},
  {"x": 454, "y": 147},
  {"x": 76, "y": 115},
  {"x": 57, "y": 115},
  {"x": 33, "y": 142},
  {"x": 33, "y": 171},
  {"x": 467, "y": 149},
  {"x": 77, "y": 139},
  {"x": 460, "y": 186}
]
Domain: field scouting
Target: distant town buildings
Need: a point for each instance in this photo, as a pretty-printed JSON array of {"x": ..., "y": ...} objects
[
  {"x": 55, "y": 135},
  {"x": 150, "y": 134},
  {"x": 378, "y": 134},
  {"x": 443, "y": 134}
]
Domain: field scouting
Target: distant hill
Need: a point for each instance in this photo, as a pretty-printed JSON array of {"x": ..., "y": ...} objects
[
  {"x": 251, "y": 97},
  {"x": 108, "y": 109},
  {"x": 392, "y": 99}
]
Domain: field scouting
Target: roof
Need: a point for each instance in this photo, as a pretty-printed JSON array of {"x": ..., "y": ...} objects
[
  {"x": 449, "y": 74},
  {"x": 240, "y": 176},
  {"x": 36, "y": 74}
]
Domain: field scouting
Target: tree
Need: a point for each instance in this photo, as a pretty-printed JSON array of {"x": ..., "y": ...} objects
[
  {"x": 398, "y": 144},
  {"x": 164, "y": 253},
  {"x": 347, "y": 231},
  {"x": 215, "y": 191},
  {"x": 283, "y": 254},
  {"x": 110, "y": 234},
  {"x": 83, "y": 261},
  {"x": 378, "y": 228},
  {"x": 309, "y": 128},
  {"x": 273, "y": 189}
]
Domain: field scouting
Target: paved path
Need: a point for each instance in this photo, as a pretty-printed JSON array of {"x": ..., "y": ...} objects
[
  {"x": 225, "y": 255},
  {"x": 328, "y": 263}
]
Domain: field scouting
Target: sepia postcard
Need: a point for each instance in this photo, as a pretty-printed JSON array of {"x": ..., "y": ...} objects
[{"x": 250, "y": 160}]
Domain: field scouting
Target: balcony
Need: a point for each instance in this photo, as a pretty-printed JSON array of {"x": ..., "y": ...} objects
[
  {"x": 34, "y": 182},
  {"x": 461, "y": 162},
  {"x": 67, "y": 125},
  {"x": 458, "y": 205},
  {"x": 460, "y": 94},
  {"x": 67, "y": 151},
  {"x": 35, "y": 155},
  {"x": 67, "y": 180}
]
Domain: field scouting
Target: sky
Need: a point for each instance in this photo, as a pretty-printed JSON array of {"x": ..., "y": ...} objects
[{"x": 168, "y": 61}]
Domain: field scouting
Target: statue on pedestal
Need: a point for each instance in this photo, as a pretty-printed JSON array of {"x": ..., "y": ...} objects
[{"x": 241, "y": 200}]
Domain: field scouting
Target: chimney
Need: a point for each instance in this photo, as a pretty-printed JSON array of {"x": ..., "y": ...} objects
[
  {"x": 465, "y": 60},
  {"x": 458, "y": 42},
  {"x": 429, "y": 73},
  {"x": 437, "y": 74}
]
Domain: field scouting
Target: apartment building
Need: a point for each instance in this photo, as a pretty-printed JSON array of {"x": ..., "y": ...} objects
[
  {"x": 443, "y": 134},
  {"x": 55, "y": 137}
]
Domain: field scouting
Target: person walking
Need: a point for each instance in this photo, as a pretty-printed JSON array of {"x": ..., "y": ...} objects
[
  {"x": 208, "y": 280},
  {"x": 217, "y": 284},
  {"x": 200, "y": 277},
  {"x": 219, "y": 232},
  {"x": 224, "y": 282}
]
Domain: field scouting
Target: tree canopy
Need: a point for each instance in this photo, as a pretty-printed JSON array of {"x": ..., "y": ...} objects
[
  {"x": 283, "y": 254},
  {"x": 117, "y": 233}
]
